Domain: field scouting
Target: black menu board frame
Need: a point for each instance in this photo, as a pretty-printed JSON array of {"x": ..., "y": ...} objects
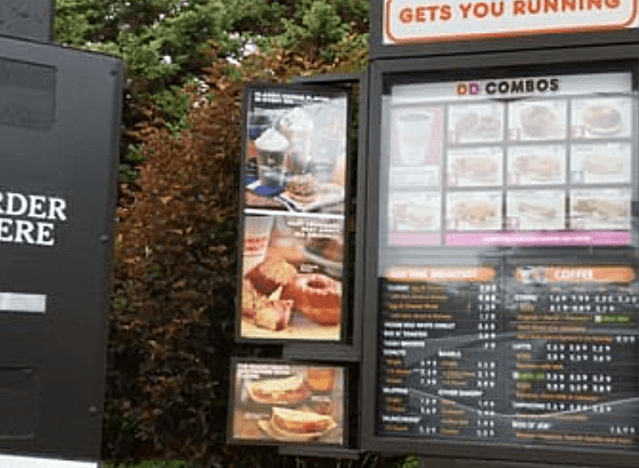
[
  {"x": 460, "y": 69},
  {"x": 276, "y": 98}
]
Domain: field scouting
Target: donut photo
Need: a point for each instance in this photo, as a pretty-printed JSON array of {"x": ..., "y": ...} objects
[{"x": 294, "y": 290}]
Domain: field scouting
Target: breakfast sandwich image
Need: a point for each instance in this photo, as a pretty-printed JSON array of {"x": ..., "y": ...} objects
[
  {"x": 603, "y": 117},
  {"x": 474, "y": 211},
  {"x": 476, "y": 123},
  {"x": 601, "y": 163},
  {"x": 537, "y": 165},
  {"x": 600, "y": 209},
  {"x": 538, "y": 120},
  {"x": 278, "y": 401},
  {"x": 475, "y": 167},
  {"x": 531, "y": 210}
]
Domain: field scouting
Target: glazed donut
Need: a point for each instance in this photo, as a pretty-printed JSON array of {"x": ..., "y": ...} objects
[{"x": 317, "y": 296}]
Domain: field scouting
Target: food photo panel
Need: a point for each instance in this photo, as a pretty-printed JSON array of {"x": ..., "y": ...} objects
[
  {"x": 474, "y": 211},
  {"x": 416, "y": 146},
  {"x": 536, "y": 210},
  {"x": 602, "y": 117},
  {"x": 537, "y": 165},
  {"x": 472, "y": 167},
  {"x": 476, "y": 123},
  {"x": 414, "y": 219},
  {"x": 292, "y": 277},
  {"x": 295, "y": 149},
  {"x": 276, "y": 402},
  {"x": 601, "y": 163},
  {"x": 535, "y": 120},
  {"x": 597, "y": 209}
]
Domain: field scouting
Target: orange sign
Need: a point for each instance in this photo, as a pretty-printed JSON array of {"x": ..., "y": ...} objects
[
  {"x": 415, "y": 21},
  {"x": 580, "y": 274},
  {"x": 442, "y": 274}
]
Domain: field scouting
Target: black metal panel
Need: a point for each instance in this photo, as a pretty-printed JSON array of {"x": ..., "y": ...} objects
[
  {"x": 60, "y": 132},
  {"x": 27, "y": 19},
  {"x": 452, "y": 68},
  {"x": 379, "y": 50}
]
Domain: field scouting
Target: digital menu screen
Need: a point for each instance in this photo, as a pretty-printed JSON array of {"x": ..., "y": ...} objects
[
  {"x": 508, "y": 295},
  {"x": 533, "y": 162},
  {"x": 511, "y": 353},
  {"x": 293, "y": 214}
]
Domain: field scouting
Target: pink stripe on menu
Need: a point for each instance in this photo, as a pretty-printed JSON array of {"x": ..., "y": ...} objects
[{"x": 539, "y": 238}]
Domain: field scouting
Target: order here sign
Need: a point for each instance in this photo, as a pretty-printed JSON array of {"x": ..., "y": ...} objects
[{"x": 414, "y": 21}]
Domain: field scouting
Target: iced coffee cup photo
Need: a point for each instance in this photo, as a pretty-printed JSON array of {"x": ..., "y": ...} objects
[{"x": 272, "y": 149}]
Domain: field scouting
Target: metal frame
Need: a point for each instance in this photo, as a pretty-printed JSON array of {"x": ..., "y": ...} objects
[
  {"x": 459, "y": 453},
  {"x": 379, "y": 50}
]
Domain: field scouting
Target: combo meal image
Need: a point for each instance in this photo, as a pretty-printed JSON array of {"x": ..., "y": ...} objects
[
  {"x": 295, "y": 152},
  {"x": 414, "y": 212},
  {"x": 600, "y": 209},
  {"x": 475, "y": 166},
  {"x": 530, "y": 210},
  {"x": 476, "y": 123},
  {"x": 601, "y": 163},
  {"x": 470, "y": 211},
  {"x": 292, "y": 277},
  {"x": 543, "y": 120},
  {"x": 278, "y": 402},
  {"x": 603, "y": 118},
  {"x": 536, "y": 165}
]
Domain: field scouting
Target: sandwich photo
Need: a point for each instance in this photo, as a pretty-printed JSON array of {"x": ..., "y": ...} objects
[
  {"x": 472, "y": 126},
  {"x": 279, "y": 391},
  {"x": 538, "y": 211},
  {"x": 601, "y": 208},
  {"x": 537, "y": 167},
  {"x": 540, "y": 121},
  {"x": 296, "y": 425},
  {"x": 476, "y": 213},
  {"x": 478, "y": 168},
  {"x": 602, "y": 120},
  {"x": 603, "y": 164}
]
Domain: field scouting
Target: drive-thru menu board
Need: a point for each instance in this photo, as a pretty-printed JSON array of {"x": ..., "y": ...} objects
[
  {"x": 508, "y": 294},
  {"x": 543, "y": 161},
  {"x": 515, "y": 353}
]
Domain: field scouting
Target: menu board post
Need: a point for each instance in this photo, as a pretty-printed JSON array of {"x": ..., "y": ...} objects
[{"x": 502, "y": 256}]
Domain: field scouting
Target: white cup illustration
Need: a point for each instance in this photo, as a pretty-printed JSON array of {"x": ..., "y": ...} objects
[
  {"x": 257, "y": 233},
  {"x": 414, "y": 132}
]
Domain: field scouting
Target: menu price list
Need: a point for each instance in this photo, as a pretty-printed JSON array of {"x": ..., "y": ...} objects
[{"x": 510, "y": 355}]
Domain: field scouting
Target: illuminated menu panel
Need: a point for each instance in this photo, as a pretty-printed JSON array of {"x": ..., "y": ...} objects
[
  {"x": 529, "y": 162},
  {"x": 510, "y": 352}
]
